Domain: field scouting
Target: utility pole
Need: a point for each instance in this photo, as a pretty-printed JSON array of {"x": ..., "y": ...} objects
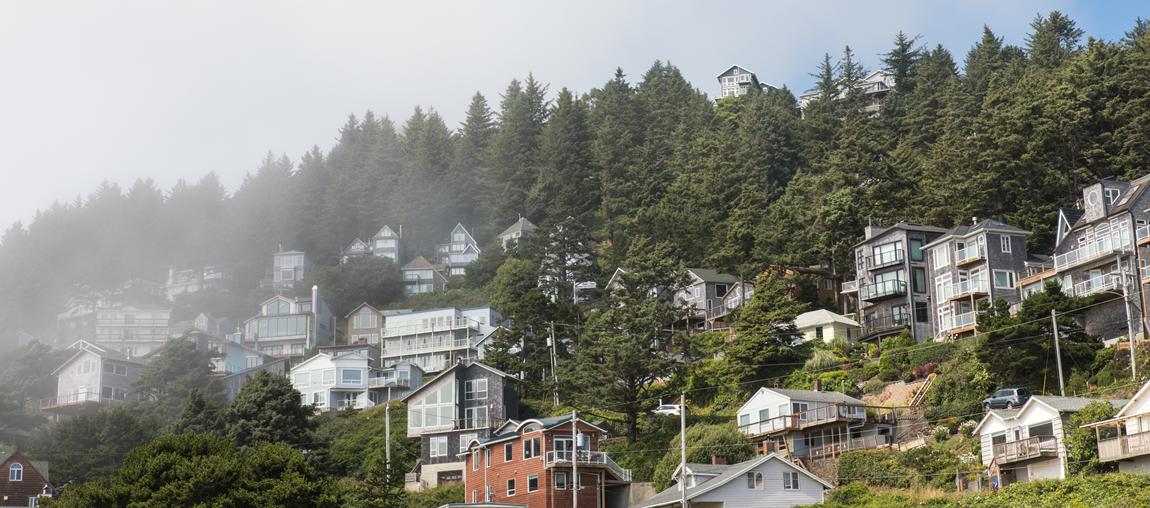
[
  {"x": 1129, "y": 324},
  {"x": 683, "y": 448},
  {"x": 387, "y": 434},
  {"x": 554, "y": 364},
  {"x": 575, "y": 483},
  {"x": 1057, "y": 353}
]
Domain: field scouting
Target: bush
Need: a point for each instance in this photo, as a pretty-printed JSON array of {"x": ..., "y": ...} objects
[
  {"x": 923, "y": 371},
  {"x": 940, "y": 433},
  {"x": 434, "y": 497},
  {"x": 874, "y": 386},
  {"x": 875, "y": 468},
  {"x": 706, "y": 440},
  {"x": 967, "y": 428}
]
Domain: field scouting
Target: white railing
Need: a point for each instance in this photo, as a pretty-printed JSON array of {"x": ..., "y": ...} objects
[
  {"x": 1104, "y": 246},
  {"x": 1096, "y": 285},
  {"x": 972, "y": 253},
  {"x": 586, "y": 458},
  {"x": 419, "y": 346},
  {"x": 1142, "y": 232},
  {"x": 850, "y": 286},
  {"x": 957, "y": 321},
  {"x": 453, "y": 324},
  {"x": 1145, "y": 271},
  {"x": 382, "y": 382},
  {"x": 1124, "y": 447},
  {"x": 964, "y": 288},
  {"x": 73, "y": 399},
  {"x": 882, "y": 289}
]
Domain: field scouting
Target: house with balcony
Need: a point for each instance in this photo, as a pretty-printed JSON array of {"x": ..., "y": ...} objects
[
  {"x": 766, "y": 481},
  {"x": 438, "y": 338},
  {"x": 874, "y": 88},
  {"x": 809, "y": 424},
  {"x": 890, "y": 288},
  {"x": 288, "y": 326},
  {"x": 1097, "y": 255},
  {"x": 23, "y": 482},
  {"x": 738, "y": 294},
  {"x": 93, "y": 377},
  {"x": 288, "y": 267},
  {"x": 354, "y": 250},
  {"x": 364, "y": 323},
  {"x": 360, "y": 347},
  {"x": 422, "y": 277},
  {"x": 134, "y": 330},
  {"x": 235, "y": 382},
  {"x": 510, "y": 237},
  {"x": 194, "y": 280},
  {"x": 972, "y": 264},
  {"x": 387, "y": 243},
  {"x": 464, "y": 403},
  {"x": 1029, "y": 443},
  {"x": 703, "y": 294},
  {"x": 460, "y": 251},
  {"x": 736, "y": 81},
  {"x": 228, "y": 353},
  {"x": 534, "y": 462},
  {"x": 1125, "y": 438},
  {"x": 347, "y": 380}
]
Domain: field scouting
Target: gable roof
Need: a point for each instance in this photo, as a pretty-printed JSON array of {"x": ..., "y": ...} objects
[
  {"x": 712, "y": 276},
  {"x": 360, "y": 306},
  {"x": 41, "y": 466},
  {"x": 356, "y": 244},
  {"x": 419, "y": 263},
  {"x": 672, "y": 494},
  {"x": 988, "y": 225},
  {"x": 451, "y": 371},
  {"x": 816, "y": 396},
  {"x": 83, "y": 346},
  {"x": 1055, "y": 403},
  {"x": 386, "y": 232},
  {"x": 521, "y": 226},
  {"x": 821, "y": 316},
  {"x": 904, "y": 225}
]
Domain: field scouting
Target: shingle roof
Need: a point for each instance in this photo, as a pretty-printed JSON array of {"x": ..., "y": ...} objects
[
  {"x": 1068, "y": 404},
  {"x": 821, "y": 316},
  {"x": 672, "y": 495},
  {"x": 522, "y": 225},
  {"x": 985, "y": 225},
  {"x": 708, "y": 468},
  {"x": 909, "y": 226},
  {"x": 819, "y": 396},
  {"x": 419, "y": 263},
  {"x": 708, "y": 275}
]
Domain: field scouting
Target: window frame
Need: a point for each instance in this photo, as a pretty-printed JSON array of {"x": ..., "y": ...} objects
[
  {"x": 510, "y": 487},
  {"x": 16, "y": 472},
  {"x": 1004, "y": 243},
  {"x": 1011, "y": 279},
  {"x": 790, "y": 480},
  {"x": 533, "y": 478},
  {"x": 560, "y": 480},
  {"x": 508, "y": 452},
  {"x": 433, "y": 446},
  {"x": 915, "y": 245}
]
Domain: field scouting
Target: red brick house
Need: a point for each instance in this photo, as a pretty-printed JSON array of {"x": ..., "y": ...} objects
[
  {"x": 530, "y": 462},
  {"x": 22, "y": 481}
]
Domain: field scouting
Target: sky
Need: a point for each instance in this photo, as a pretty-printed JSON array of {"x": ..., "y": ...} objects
[{"x": 120, "y": 90}]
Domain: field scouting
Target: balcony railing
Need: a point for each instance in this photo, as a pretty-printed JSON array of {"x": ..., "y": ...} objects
[
  {"x": 453, "y": 324},
  {"x": 1101, "y": 247},
  {"x": 969, "y": 254},
  {"x": 965, "y": 288},
  {"x": 1145, "y": 271},
  {"x": 418, "y": 346},
  {"x": 884, "y": 259},
  {"x": 957, "y": 321},
  {"x": 850, "y": 286},
  {"x": 585, "y": 458},
  {"x": 885, "y": 323},
  {"x": 75, "y": 399},
  {"x": 1098, "y": 284},
  {"x": 1124, "y": 447},
  {"x": 1026, "y": 449},
  {"x": 868, "y": 442},
  {"x": 382, "y": 382},
  {"x": 1142, "y": 232},
  {"x": 881, "y": 290},
  {"x": 829, "y": 413}
]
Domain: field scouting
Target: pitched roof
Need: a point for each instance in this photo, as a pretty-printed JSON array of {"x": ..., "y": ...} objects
[
  {"x": 721, "y": 74},
  {"x": 451, "y": 371},
  {"x": 385, "y": 232},
  {"x": 909, "y": 226},
  {"x": 821, "y": 316},
  {"x": 816, "y": 396},
  {"x": 83, "y": 346},
  {"x": 708, "y": 275},
  {"x": 1071, "y": 404},
  {"x": 521, "y": 226},
  {"x": 673, "y": 495},
  {"x": 419, "y": 263},
  {"x": 41, "y": 466},
  {"x": 360, "y": 306},
  {"x": 963, "y": 231}
]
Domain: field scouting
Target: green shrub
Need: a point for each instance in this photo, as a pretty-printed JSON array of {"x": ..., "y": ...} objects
[
  {"x": 874, "y": 386},
  {"x": 876, "y": 468}
]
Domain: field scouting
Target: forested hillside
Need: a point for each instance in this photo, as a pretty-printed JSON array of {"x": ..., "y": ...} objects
[{"x": 997, "y": 130}]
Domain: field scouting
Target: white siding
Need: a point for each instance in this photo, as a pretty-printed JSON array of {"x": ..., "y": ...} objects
[
  {"x": 736, "y": 494},
  {"x": 1034, "y": 413}
]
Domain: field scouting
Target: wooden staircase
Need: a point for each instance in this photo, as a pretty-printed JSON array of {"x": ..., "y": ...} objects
[{"x": 920, "y": 395}]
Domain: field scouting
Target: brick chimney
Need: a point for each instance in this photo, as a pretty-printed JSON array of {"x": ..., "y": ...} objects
[{"x": 718, "y": 460}]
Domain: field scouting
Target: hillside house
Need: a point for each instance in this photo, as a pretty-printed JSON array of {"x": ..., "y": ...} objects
[
  {"x": 738, "y": 294},
  {"x": 92, "y": 377},
  {"x": 422, "y": 277},
  {"x": 194, "y": 280},
  {"x": 890, "y": 286},
  {"x": 767, "y": 481},
  {"x": 465, "y": 402},
  {"x": 1125, "y": 438},
  {"x": 235, "y": 382},
  {"x": 364, "y": 323},
  {"x": 338, "y": 381},
  {"x": 826, "y": 326},
  {"x": 511, "y": 236},
  {"x": 808, "y": 423},
  {"x": 436, "y": 339},
  {"x": 354, "y": 250},
  {"x": 874, "y": 88},
  {"x": 736, "y": 81},
  {"x": 968, "y": 265},
  {"x": 288, "y": 267},
  {"x": 1029, "y": 443},
  {"x": 23, "y": 482},
  {"x": 460, "y": 251},
  {"x": 290, "y": 326},
  {"x": 387, "y": 243},
  {"x": 530, "y": 462}
]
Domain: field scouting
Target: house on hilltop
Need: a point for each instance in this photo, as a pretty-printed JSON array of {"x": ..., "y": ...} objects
[
  {"x": 737, "y": 81},
  {"x": 93, "y": 377}
]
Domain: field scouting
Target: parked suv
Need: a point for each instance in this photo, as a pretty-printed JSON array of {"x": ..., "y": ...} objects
[{"x": 1008, "y": 398}]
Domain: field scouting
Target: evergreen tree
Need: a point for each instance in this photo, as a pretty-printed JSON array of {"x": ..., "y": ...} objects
[
  {"x": 1053, "y": 40},
  {"x": 268, "y": 410},
  {"x": 902, "y": 61}
]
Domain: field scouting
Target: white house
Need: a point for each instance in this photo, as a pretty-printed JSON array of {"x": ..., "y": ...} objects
[
  {"x": 825, "y": 325},
  {"x": 1125, "y": 438},
  {"x": 1028, "y": 443},
  {"x": 346, "y": 380},
  {"x": 436, "y": 339},
  {"x": 800, "y": 422},
  {"x": 91, "y": 377},
  {"x": 768, "y": 481}
]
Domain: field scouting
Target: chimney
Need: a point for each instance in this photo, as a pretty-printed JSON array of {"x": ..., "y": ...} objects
[
  {"x": 871, "y": 229},
  {"x": 718, "y": 460},
  {"x": 818, "y": 385}
]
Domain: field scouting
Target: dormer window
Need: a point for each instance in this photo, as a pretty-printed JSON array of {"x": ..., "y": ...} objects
[
  {"x": 16, "y": 473},
  {"x": 1112, "y": 195}
]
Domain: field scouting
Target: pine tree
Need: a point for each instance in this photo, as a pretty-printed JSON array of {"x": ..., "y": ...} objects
[
  {"x": 567, "y": 183},
  {"x": 1053, "y": 40},
  {"x": 902, "y": 61}
]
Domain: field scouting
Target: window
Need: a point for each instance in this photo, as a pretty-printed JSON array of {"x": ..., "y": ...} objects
[
  {"x": 560, "y": 480},
  {"x": 508, "y": 451},
  {"x": 351, "y": 376},
  {"x": 16, "y": 473},
  {"x": 915, "y": 250},
  {"x": 744, "y": 420},
  {"x": 487, "y": 457},
  {"x": 437, "y": 446},
  {"x": 319, "y": 398},
  {"x": 887, "y": 253},
  {"x": 764, "y": 415},
  {"x": 921, "y": 312},
  {"x": 941, "y": 256},
  {"x": 119, "y": 370},
  {"x": 366, "y": 319},
  {"x": 819, "y": 332},
  {"x": 475, "y": 389},
  {"x": 466, "y": 438},
  {"x": 1003, "y": 279},
  {"x": 531, "y": 448},
  {"x": 755, "y": 480},
  {"x": 511, "y": 487},
  {"x": 899, "y": 314},
  {"x": 475, "y": 417},
  {"x": 919, "y": 281},
  {"x": 329, "y": 376},
  {"x": 533, "y": 483},
  {"x": 474, "y": 455},
  {"x": 1004, "y": 240},
  {"x": 790, "y": 480}
]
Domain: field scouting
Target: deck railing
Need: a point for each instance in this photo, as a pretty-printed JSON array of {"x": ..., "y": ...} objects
[
  {"x": 585, "y": 458},
  {"x": 1124, "y": 447},
  {"x": 1101, "y": 247},
  {"x": 1025, "y": 449}
]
